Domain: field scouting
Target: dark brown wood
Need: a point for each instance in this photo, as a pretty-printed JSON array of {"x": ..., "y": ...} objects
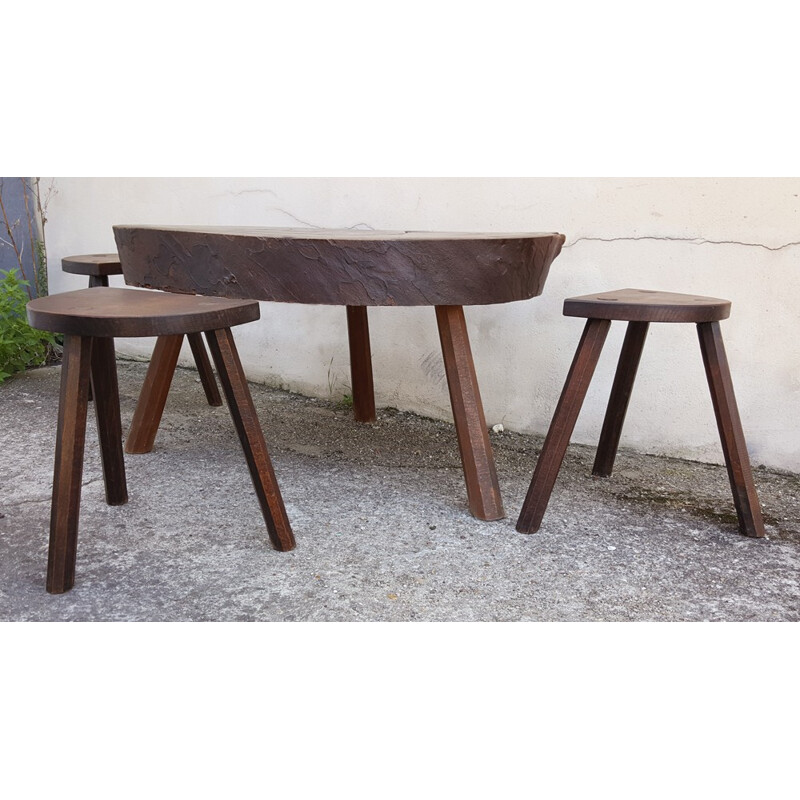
[
  {"x": 639, "y": 305},
  {"x": 477, "y": 458},
  {"x": 94, "y": 282},
  {"x": 349, "y": 268},
  {"x": 109, "y": 427},
  {"x": 734, "y": 447},
  {"x": 68, "y": 469},
  {"x": 94, "y": 265},
  {"x": 204, "y": 369},
  {"x": 360, "y": 364},
  {"x": 128, "y": 312},
  {"x": 563, "y": 424},
  {"x": 153, "y": 395},
  {"x": 98, "y": 268},
  {"x": 88, "y": 360},
  {"x": 358, "y": 269},
  {"x": 627, "y": 368},
  {"x": 245, "y": 419}
]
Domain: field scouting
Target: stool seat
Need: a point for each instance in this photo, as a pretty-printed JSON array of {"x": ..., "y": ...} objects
[
  {"x": 641, "y": 305},
  {"x": 111, "y": 312},
  {"x": 98, "y": 267},
  {"x": 94, "y": 265}
]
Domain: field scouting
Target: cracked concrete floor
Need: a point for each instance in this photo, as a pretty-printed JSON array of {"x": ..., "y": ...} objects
[{"x": 380, "y": 518}]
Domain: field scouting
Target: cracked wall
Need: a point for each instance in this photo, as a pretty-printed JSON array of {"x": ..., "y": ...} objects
[{"x": 727, "y": 237}]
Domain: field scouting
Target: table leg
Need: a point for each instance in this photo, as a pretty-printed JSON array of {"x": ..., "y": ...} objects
[
  {"x": 360, "y": 364},
  {"x": 243, "y": 413},
  {"x": 734, "y": 448},
  {"x": 68, "y": 469},
  {"x": 154, "y": 393},
  {"x": 483, "y": 490}
]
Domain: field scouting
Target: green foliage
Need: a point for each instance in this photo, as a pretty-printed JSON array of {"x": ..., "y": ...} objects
[
  {"x": 41, "y": 268},
  {"x": 20, "y": 345}
]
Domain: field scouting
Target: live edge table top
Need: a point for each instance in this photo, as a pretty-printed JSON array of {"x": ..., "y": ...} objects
[
  {"x": 338, "y": 267},
  {"x": 357, "y": 269}
]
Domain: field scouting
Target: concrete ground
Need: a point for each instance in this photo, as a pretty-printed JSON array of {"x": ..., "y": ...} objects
[{"x": 380, "y": 518}]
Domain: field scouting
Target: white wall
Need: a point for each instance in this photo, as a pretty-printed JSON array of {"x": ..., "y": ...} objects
[{"x": 726, "y": 237}]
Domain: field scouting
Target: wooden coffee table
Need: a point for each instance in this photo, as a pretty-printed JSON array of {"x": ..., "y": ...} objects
[{"x": 355, "y": 269}]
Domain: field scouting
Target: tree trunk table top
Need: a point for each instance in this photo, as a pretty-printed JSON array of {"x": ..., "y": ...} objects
[{"x": 338, "y": 267}]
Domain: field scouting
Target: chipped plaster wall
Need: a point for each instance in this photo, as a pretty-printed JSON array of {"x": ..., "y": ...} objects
[{"x": 727, "y": 237}]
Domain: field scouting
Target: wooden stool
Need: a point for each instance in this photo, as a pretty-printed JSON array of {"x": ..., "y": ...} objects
[
  {"x": 98, "y": 268},
  {"x": 639, "y": 308},
  {"x": 89, "y": 320}
]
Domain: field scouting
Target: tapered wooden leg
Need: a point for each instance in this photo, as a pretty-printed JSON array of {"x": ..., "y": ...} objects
[
  {"x": 96, "y": 280},
  {"x": 620, "y": 396},
  {"x": 204, "y": 369},
  {"x": 243, "y": 412},
  {"x": 734, "y": 447},
  {"x": 360, "y": 364},
  {"x": 109, "y": 426},
  {"x": 564, "y": 419},
  {"x": 477, "y": 459},
  {"x": 153, "y": 396},
  {"x": 68, "y": 470}
]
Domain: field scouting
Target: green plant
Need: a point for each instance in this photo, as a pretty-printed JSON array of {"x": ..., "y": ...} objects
[
  {"x": 333, "y": 382},
  {"x": 20, "y": 345}
]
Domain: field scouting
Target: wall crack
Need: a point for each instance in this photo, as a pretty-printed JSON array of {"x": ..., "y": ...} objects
[{"x": 688, "y": 239}]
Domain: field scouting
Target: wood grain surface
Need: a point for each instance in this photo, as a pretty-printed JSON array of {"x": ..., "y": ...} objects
[
  {"x": 93, "y": 264},
  {"x": 128, "y": 312},
  {"x": 642, "y": 305},
  {"x": 350, "y": 268}
]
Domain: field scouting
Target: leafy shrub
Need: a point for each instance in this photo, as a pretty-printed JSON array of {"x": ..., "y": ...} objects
[{"x": 20, "y": 345}]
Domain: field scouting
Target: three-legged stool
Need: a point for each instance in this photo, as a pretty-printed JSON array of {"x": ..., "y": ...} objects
[
  {"x": 89, "y": 320},
  {"x": 639, "y": 308},
  {"x": 165, "y": 355}
]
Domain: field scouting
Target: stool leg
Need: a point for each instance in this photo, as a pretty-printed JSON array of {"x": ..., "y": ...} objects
[
  {"x": 96, "y": 280},
  {"x": 153, "y": 396},
  {"x": 564, "y": 419},
  {"x": 477, "y": 459},
  {"x": 243, "y": 413},
  {"x": 204, "y": 369},
  {"x": 68, "y": 469},
  {"x": 620, "y": 396},
  {"x": 109, "y": 426},
  {"x": 734, "y": 447},
  {"x": 360, "y": 364}
]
